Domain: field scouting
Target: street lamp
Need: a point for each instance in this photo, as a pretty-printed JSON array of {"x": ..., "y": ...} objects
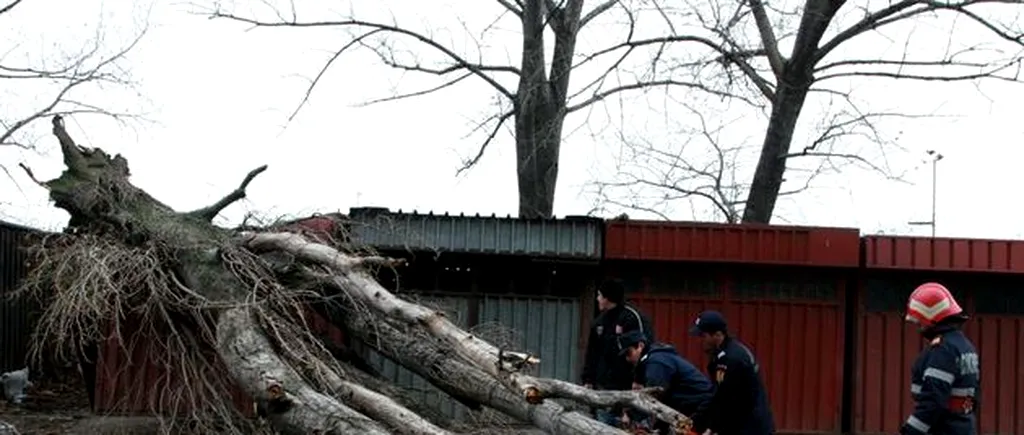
[{"x": 936, "y": 156}]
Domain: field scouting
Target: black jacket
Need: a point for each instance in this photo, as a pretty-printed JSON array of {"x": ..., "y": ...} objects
[
  {"x": 684, "y": 387},
  {"x": 740, "y": 404},
  {"x": 603, "y": 367},
  {"x": 944, "y": 383}
]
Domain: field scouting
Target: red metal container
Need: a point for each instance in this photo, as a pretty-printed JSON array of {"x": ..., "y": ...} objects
[
  {"x": 143, "y": 380},
  {"x": 887, "y": 346},
  {"x": 1000, "y": 341},
  {"x": 750, "y": 244},
  {"x": 798, "y": 342},
  {"x": 962, "y": 255}
]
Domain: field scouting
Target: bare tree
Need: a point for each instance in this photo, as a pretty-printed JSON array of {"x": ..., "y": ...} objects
[
  {"x": 59, "y": 85},
  {"x": 744, "y": 42},
  {"x": 535, "y": 92},
  {"x": 817, "y": 64}
]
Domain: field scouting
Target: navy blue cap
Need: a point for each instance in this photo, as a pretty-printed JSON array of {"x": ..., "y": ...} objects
[
  {"x": 630, "y": 339},
  {"x": 710, "y": 322}
]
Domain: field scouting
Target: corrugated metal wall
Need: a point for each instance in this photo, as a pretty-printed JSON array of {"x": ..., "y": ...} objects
[
  {"x": 549, "y": 327},
  {"x": 572, "y": 237},
  {"x": 456, "y": 308},
  {"x": 1000, "y": 342},
  {"x": 15, "y": 315},
  {"x": 794, "y": 326},
  {"x": 140, "y": 378},
  {"x": 887, "y": 347},
  {"x": 749, "y": 244}
]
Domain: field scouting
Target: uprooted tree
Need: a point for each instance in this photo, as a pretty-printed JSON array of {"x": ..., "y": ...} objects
[
  {"x": 227, "y": 307},
  {"x": 732, "y": 51}
]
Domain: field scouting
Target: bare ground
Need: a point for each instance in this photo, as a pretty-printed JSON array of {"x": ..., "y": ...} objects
[{"x": 63, "y": 408}]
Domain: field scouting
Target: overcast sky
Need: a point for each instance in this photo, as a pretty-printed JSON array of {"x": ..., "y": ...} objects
[{"x": 218, "y": 98}]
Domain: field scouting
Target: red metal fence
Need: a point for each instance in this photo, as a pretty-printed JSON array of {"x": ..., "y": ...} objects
[
  {"x": 782, "y": 290},
  {"x": 887, "y": 346},
  {"x": 821, "y": 308}
]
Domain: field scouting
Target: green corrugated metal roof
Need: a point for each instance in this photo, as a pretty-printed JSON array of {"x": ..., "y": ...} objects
[{"x": 571, "y": 237}]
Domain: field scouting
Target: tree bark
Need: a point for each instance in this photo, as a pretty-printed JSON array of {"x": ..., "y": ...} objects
[
  {"x": 429, "y": 358},
  {"x": 253, "y": 362},
  {"x": 771, "y": 165}
]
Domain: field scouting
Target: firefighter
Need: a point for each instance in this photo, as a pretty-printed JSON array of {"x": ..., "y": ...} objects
[
  {"x": 945, "y": 377},
  {"x": 683, "y": 387},
  {"x": 740, "y": 403},
  {"x": 603, "y": 367}
]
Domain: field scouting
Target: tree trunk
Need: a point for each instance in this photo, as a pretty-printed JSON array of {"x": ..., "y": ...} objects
[
  {"x": 771, "y": 166},
  {"x": 538, "y": 122},
  {"x": 436, "y": 363}
]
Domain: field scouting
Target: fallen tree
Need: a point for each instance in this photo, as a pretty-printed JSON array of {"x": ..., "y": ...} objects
[{"x": 229, "y": 308}]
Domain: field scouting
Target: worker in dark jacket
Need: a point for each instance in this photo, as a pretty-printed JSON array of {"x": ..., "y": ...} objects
[
  {"x": 740, "y": 404},
  {"x": 603, "y": 367},
  {"x": 944, "y": 380},
  {"x": 683, "y": 387}
]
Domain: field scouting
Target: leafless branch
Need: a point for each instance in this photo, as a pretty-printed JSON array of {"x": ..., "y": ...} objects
[
  {"x": 458, "y": 62},
  {"x": 597, "y": 11},
  {"x": 500, "y": 121},
  {"x": 86, "y": 69},
  {"x": 209, "y": 212},
  {"x": 9, "y": 6},
  {"x": 515, "y": 9}
]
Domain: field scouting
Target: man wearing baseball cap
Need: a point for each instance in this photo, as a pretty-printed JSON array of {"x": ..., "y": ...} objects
[
  {"x": 740, "y": 404},
  {"x": 683, "y": 387}
]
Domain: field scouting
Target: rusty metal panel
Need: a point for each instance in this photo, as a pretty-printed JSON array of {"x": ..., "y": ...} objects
[
  {"x": 456, "y": 308},
  {"x": 139, "y": 378},
  {"x": 544, "y": 326},
  {"x": 572, "y": 237},
  {"x": 805, "y": 386},
  {"x": 751, "y": 244},
  {"x": 16, "y": 315},
  {"x": 938, "y": 254}
]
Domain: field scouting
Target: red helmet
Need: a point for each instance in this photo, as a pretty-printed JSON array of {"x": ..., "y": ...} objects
[{"x": 930, "y": 303}]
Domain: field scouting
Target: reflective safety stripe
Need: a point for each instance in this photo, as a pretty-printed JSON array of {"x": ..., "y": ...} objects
[
  {"x": 962, "y": 392},
  {"x": 916, "y": 423},
  {"x": 957, "y": 392},
  {"x": 942, "y": 375},
  {"x": 639, "y": 320}
]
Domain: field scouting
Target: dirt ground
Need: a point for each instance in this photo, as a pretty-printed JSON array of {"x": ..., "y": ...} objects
[
  {"x": 49, "y": 409},
  {"x": 52, "y": 409}
]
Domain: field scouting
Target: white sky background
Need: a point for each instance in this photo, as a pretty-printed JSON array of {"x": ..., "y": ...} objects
[{"x": 220, "y": 96}]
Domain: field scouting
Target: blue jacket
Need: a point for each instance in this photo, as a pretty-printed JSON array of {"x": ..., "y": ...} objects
[
  {"x": 944, "y": 382},
  {"x": 740, "y": 405},
  {"x": 684, "y": 387}
]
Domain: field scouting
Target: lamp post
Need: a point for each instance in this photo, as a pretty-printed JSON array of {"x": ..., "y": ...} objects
[{"x": 936, "y": 156}]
